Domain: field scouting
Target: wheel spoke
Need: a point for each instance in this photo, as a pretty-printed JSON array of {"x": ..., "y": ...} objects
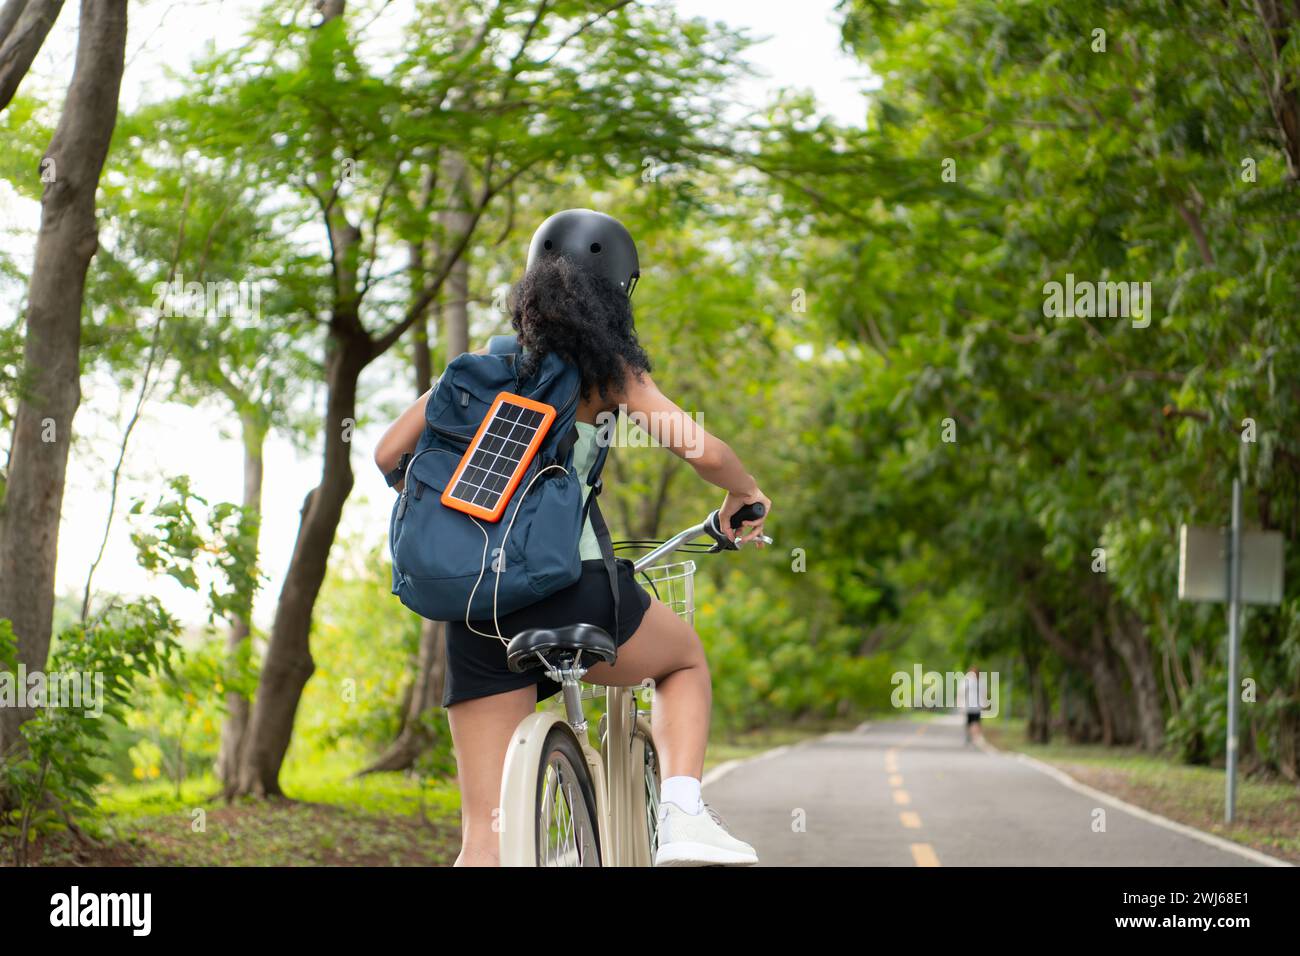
[
  {"x": 566, "y": 830},
  {"x": 651, "y": 801}
]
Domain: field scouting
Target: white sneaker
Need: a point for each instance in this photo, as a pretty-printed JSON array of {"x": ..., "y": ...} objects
[{"x": 699, "y": 839}]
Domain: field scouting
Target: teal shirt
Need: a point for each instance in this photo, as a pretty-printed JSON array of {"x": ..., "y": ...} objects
[{"x": 584, "y": 456}]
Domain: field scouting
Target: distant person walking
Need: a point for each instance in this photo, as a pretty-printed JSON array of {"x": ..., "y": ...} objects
[{"x": 970, "y": 698}]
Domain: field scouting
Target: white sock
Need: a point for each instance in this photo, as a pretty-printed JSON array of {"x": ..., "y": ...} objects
[{"x": 683, "y": 791}]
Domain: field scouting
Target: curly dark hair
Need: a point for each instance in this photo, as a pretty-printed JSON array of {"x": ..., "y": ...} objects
[{"x": 582, "y": 317}]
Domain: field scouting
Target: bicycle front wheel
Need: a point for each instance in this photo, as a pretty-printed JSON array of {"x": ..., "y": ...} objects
[{"x": 565, "y": 825}]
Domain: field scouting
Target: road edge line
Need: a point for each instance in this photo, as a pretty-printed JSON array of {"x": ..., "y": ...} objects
[
  {"x": 724, "y": 768},
  {"x": 1063, "y": 778}
]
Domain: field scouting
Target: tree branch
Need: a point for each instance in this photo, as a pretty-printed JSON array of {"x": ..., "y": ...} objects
[{"x": 24, "y": 25}]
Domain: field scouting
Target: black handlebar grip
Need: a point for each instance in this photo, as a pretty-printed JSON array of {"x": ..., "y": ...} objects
[{"x": 748, "y": 513}]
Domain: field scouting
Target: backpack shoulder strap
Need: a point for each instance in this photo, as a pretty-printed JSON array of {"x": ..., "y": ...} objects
[
  {"x": 592, "y": 509},
  {"x": 606, "y": 553},
  {"x": 504, "y": 345}
]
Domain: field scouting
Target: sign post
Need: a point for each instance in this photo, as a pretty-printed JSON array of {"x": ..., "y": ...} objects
[
  {"x": 1232, "y": 567},
  {"x": 1234, "y": 617}
]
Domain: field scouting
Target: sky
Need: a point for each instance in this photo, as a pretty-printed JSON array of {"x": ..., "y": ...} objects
[{"x": 801, "y": 50}]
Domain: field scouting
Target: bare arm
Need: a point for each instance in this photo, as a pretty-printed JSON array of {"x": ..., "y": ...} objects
[
  {"x": 711, "y": 457},
  {"x": 402, "y": 436}
]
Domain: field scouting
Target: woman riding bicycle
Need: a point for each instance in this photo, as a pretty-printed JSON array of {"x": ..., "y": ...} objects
[{"x": 574, "y": 302}]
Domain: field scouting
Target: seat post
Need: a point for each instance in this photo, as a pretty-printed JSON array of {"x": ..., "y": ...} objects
[
  {"x": 572, "y": 689},
  {"x": 573, "y": 703}
]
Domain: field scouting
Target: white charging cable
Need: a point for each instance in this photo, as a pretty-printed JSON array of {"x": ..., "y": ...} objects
[{"x": 500, "y": 564}]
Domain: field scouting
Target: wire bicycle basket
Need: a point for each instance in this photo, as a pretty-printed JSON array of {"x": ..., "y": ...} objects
[{"x": 674, "y": 585}]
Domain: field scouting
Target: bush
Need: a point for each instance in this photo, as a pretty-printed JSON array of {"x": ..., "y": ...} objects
[{"x": 52, "y": 780}]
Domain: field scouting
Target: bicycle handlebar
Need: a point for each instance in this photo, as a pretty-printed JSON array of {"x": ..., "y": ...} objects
[{"x": 709, "y": 526}]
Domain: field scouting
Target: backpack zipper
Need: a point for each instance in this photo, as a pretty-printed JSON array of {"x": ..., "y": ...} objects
[
  {"x": 406, "y": 490},
  {"x": 445, "y": 433}
]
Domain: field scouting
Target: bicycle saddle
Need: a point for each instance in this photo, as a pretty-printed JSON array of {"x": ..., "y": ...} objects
[{"x": 524, "y": 648}]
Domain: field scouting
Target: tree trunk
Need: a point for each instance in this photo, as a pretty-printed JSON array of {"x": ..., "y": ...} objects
[
  {"x": 456, "y": 221},
  {"x": 237, "y": 705},
  {"x": 1113, "y": 709},
  {"x": 288, "y": 663},
  {"x": 1039, "y": 726},
  {"x": 24, "y": 25},
  {"x": 1080, "y": 718},
  {"x": 425, "y": 695},
  {"x": 1113, "y": 705},
  {"x": 38, "y": 458},
  {"x": 1072, "y": 655},
  {"x": 1128, "y": 637},
  {"x": 422, "y": 360}
]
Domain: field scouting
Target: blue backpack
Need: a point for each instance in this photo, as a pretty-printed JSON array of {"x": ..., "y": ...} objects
[{"x": 448, "y": 566}]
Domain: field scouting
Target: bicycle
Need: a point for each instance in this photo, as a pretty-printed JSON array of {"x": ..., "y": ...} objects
[{"x": 564, "y": 802}]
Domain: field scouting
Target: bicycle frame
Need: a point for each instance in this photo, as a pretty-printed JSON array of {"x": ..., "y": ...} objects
[{"x": 616, "y": 768}]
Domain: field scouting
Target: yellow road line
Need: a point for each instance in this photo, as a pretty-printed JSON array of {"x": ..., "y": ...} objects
[
  {"x": 895, "y": 779},
  {"x": 923, "y": 854},
  {"x": 901, "y": 798},
  {"x": 910, "y": 820}
]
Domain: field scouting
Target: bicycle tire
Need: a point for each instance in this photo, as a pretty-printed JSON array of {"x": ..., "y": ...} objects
[
  {"x": 646, "y": 812},
  {"x": 562, "y": 775}
]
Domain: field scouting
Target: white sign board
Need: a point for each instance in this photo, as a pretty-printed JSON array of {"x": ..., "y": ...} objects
[{"x": 1203, "y": 565}]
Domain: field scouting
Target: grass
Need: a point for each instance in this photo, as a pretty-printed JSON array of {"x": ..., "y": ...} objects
[
  {"x": 1268, "y": 811},
  {"x": 332, "y": 819}
]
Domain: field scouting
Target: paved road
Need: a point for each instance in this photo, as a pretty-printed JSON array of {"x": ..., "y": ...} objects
[{"x": 905, "y": 793}]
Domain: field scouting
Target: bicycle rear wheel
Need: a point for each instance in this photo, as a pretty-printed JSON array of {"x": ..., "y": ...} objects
[{"x": 565, "y": 820}]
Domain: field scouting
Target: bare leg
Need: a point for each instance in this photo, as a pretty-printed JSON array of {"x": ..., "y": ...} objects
[
  {"x": 480, "y": 730},
  {"x": 666, "y": 650}
]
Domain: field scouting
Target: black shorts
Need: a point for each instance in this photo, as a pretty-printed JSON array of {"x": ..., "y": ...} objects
[
  {"x": 972, "y": 716},
  {"x": 476, "y": 665}
]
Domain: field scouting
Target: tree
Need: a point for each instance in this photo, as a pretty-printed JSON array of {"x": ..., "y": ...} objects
[
  {"x": 305, "y": 109},
  {"x": 38, "y": 456},
  {"x": 234, "y": 324},
  {"x": 1013, "y": 145}
]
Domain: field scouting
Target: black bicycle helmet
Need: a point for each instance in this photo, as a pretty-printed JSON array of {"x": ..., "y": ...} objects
[{"x": 593, "y": 241}]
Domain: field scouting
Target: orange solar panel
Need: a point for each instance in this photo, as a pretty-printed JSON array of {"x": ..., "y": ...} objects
[{"x": 492, "y": 467}]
